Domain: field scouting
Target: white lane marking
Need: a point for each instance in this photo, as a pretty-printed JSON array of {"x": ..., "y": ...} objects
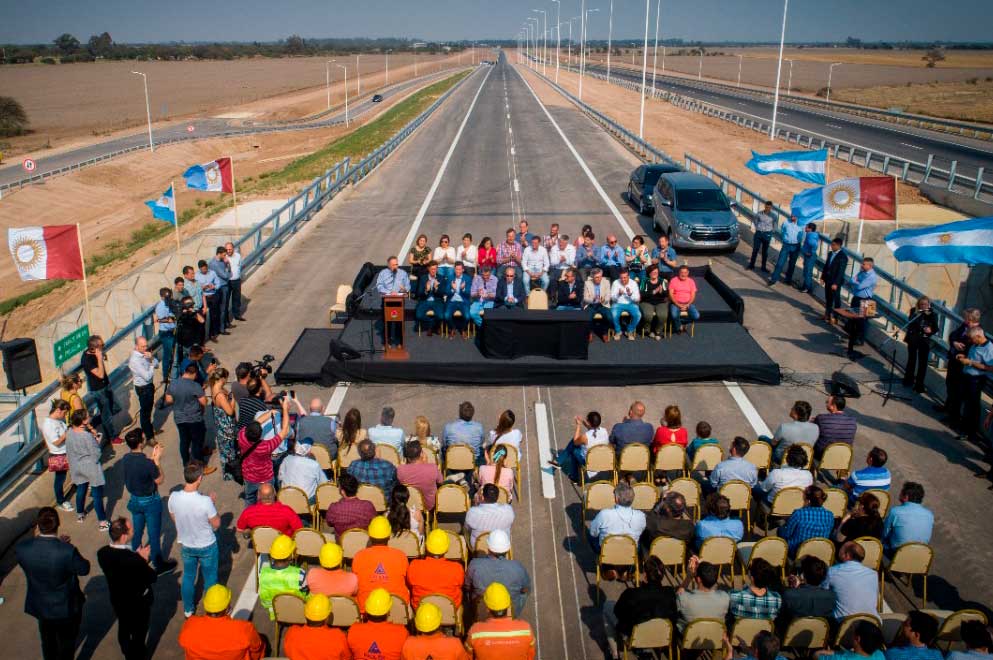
[
  {"x": 510, "y": 130},
  {"x": 337, "y": 397},
  {"x": 544, "y": 451},
  {"x": 517, "y": 184},
  {"x": 441, "y": 172},
  {"x": 245, "y": 605},
  {"x": 508, "y": 115},
  {"x": 912, "y": 146},
  {"x": 582, "y": 163},
  {"x": 513, "y": 151},
  {"x": 534, "y": 561},
  {"x": 840, "y": 128},
  {"x": 747, "y": 409}
]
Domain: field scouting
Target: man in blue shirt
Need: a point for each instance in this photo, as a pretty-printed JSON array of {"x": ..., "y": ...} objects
[
  {"x": 664, "y": 256},
  {"x": 165, "y": 323},
  {"x": 863, "y": 287},
  {"x": 977, "y": 366},
  {"x": 874, "y": 476},
  {"x": 211, "y": 284},
  {"x": 385, "y": 433},
  {"x": 464, "y": 431},
  {"x": 632, "y": 429},
  {"x": 735, "y": 467},
  {"x": 220, "y": 267},
  {"x": 808, "y": 248},
  {"x": 916, "y": 634},
  {"x": 790, "y": 232},
  {"x": 718, "y": 521},
  {"x": 392, "y": 281},
  {"x": 855, "y": 585},
  {"x": 611, "y": 258},
  {"x": 909, "y": 522},
  {"x": 621, "y": 520},
  {"x": 867, "y": 644}
]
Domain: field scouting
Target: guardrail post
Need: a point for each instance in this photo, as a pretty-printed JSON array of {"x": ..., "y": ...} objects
[
  {"x": 951, "y": 174},
  {"x": 886, "y": 165},
  {"x": 979, "y": 182},
  {"x": 905, "y": 172},
  {"x": 868, "y": 159},
  {"x": 927, "y": 167}
]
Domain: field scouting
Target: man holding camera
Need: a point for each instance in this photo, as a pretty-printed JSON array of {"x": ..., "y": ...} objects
[
  {"x": 189, "y": 328},
  {"x": 94, "y": 363}
]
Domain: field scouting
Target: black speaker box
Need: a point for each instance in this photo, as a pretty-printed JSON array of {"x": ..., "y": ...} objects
[
  {"x": 844, "y": 385},
  {"x": 20, "y": 363}
]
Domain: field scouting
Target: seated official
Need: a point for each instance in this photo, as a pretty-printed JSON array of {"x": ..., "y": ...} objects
[
  {"x": 458, "y": 293},
  {"x": 569, "y": 294},
  {"x": 535, "y": 265},
  {"x": 611, "y": 258},
  {"x": 624, "y": 296},
  {"x": 510, "y": 290},
  {"x": 637, "y": 257},
  {"x": 654, "y": 303},
  {"x": 682, "y": 293},
  {"x": 596, "y": 298},
  {"x": 392, "y": 281},
  {"x": 483, "y": 293},
  {"x": 508, "y": 253},
  {"x": 587, "y": 254},
  {"x": 561, "y": 257},
  {"x": 431, "y": 292},
  {"x": 664, "y": 256}
]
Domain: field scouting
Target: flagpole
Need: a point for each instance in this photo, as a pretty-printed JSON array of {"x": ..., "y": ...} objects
[
  {"x": 234, "y": 191},
  {"x": 858, "y": 246},
  {"x": 86, "y": 286},
  {"x": 175, "y": 203}
]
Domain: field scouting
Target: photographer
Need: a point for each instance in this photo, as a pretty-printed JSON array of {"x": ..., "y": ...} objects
[
  {"x": 253, "y": 404},
  {"x": 189, "y": 328},
  {"x": 94, "y": 363},
  {"x": 256, "y": 451}
]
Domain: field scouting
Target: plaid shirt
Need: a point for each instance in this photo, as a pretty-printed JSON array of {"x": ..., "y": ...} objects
[
  {"x": 350, "y": 513},
  {"x": 746, "y": 605},
  {"x": 808, "y": 522},
  {"x": 503, "y": 251},
  {"x": 375, "y": 471}
]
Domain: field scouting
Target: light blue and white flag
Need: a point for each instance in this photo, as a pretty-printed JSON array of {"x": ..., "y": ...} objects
[
  {"x": 810, "y": 166},
  {"x": 963, "y": 242},
  {"x": 164, "y": 208}
]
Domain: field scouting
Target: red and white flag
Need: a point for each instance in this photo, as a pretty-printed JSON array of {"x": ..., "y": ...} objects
[{"x": 46, "y": 253}]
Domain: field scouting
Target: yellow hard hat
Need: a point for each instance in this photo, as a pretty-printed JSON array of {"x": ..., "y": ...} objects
[
  {"x": 428, "y": 618},
  {"x": 379, "y": 602},
  {"x": 438, "y": 542},
  {"x": 318, "y": 608},
  {"x": 379, "y": 528},
  {"x": 496, "y": 597},
  {"x": 282, "y": 547},
  {"x": 331, "y": 555},
  {"x": 217, "y": 599}
]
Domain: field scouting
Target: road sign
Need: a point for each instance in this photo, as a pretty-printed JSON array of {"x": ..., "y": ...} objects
[
  {"x": 191, "y": 128},
  {"x": 29, "y": 165},
  {"x": 71, "y": 345}
]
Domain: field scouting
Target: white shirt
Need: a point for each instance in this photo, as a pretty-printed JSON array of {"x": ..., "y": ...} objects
[
  {"x": 487, "y": 518},
  {"x": 441, "y": 253},
  {"x": 618, "y": 294},
  {"x": 142, "y": 369},
  {"x": 234, "y": 261},
  {"x": 511, "y": 437},
  {"x": 562, "y": 258},
  {"x": 302, "y": 472},
  {"x": 787, "y": 477},
  {"x": 467, "y": 255},
  {"x": 535, "y": 261},
  {"x": 52, "y": 430},
  {"x": 618, "y": 520},
  {"x": 193, "y": 512}
]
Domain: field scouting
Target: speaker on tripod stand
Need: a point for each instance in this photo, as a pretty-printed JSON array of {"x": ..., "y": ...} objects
[
  {"x": 843, "y": 384},
  {"x": 20, "y": 363}
]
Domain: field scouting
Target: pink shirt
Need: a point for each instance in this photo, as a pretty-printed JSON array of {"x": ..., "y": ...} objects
[
  {"x": 488, "y": 472},
  {"x": 681, "y": 291},
  {"x": 422, "y": 476}
]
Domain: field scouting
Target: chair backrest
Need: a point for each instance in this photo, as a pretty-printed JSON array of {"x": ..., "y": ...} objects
[
  {"x": 460, "y": 457},
  {"x": 482, "y": 546},
  {"x": 884, "y": 500},
  {"x": 296, "y": 499},
  {"x": 408, "y": 542},
  {"x": 707, "y": 457},
  {"x": 432, "y": 455},
  {"x": 599, "y": 495},
  {"x": 288, "y": 609},
  {"x": 670, "y": 457},
  {"x": 449, "y": 613},
  {"x": 786, "y": 502},
  {"x": 873, "y": 551},
  {"x": 342, "y": 295},
  {"x": 645, "y": 496},
  {"x": 388, "y": 453},
  {"x": 353, "y": 540},
  {"x": 913, "y": 558},
  {"x": 373, "y": 494},
  {"x": 651, "y": 634},
  {"x": 600, "y": 458},
  {"x": 635, "y": 457},
  {"x": 619, "y": 550},
  {"x": 759, "y": 454},
  {"x": 747, "y": 629},
  {"x": 809, "y": 450},
  {"x": 457, "y": 547},
  {"x": 504, "y": 496},
  {"x": 344, "y": 611},
  {"x": 718, "y": 550},
  {"x": 842, "y": 636},
  {"x": 704, "y": 634},
  {"x": 670, "y": 551},
  {"x": 321, "y": 455},
  {"x": 772, "y": 549},
  {"x": 451, "y": 498},
  {"x": 308, "y": 542},
  {"x": 689, "y": 489},
  {"x": 808, "y": 632},
  {"x": 350, "y": 455},
  {"x": 326, "y": 495},
  {"x": 262, "y": 538},
  {"x": 951, "y": 627},
  {"x": 836, "y": 502},
  {"x": 399, "y": 611},
  {"x": 512, "y": 459},
  {"x": 821, "y": 548},
  {"x": 837, "y": 456},
  {"x": 738, "y": 493},
  {"x": 537, "y": 299},
  {"x": 416, "y": 498}
]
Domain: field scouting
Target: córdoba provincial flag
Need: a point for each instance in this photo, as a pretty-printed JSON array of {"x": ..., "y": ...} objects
[
  {"x": 46, "y": 253},
  {"x": 809, "y": 166},
  {"x": 963, "y": 242},
  {"x": 214, "y": 176},
  {"x": 164, "y": 208},
  {"x": 863, "y": 198}
]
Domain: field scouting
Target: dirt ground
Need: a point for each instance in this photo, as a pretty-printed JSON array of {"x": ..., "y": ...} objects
[
  {"x": 720, "y": 144},
  {"x": 954, "y": 100},
  {"x": 67, "y": 104}
]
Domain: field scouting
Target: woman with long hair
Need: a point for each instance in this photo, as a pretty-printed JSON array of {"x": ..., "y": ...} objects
[
  {"x": 495, "y": 472},
  {"x": 589, "y": 433},
  {"x": 225, "y": 425},
  {"x": 486, "y": 254},
  {"x": 863, "y": 520},
  {"x": 505, "y": 433},
  {"x": 70, "y": 392},
  {"x": 670, "y": 431},
  {"x": 422, "y": 434},
  {"x": 83, "y": 451},
  {"x": 54, "y": 430},
  {"x": 419, "y": 256},
  {"x": 402, "y": 514},
  {"x": 349, "y": 434}
]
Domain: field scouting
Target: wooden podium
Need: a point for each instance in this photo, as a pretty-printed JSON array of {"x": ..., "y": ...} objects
[{"x": 393, "y": 313}]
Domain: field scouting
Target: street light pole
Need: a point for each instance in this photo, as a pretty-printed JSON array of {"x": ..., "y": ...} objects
[
  {"x": 544, "y": 38},
  {"x": 358, "y": 76},
  {"x": 569, "y": 55},
  {"x": 655, "y": 54},
  {"x": 644, "y": 70},
  {"x": 388, "y": 67},
  {"x": 830, "y": 71},
  {"x": 148, "y": 110},
  {"x": 789, "y": 80},
  {"x": 345, "y": 69},
  {"x": 327, "y": 79},
  {"x": 699, "y": 73},
  {"x": 582, "y": 46},
  {"x": 610, "y": 34},
  {"x": 558, "y": 36},
  {"x": 739, "y": 68},
  {"x": 779, "y": 72}
]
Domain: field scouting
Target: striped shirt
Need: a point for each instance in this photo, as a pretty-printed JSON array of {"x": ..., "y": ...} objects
[
  {"x": 834, "y": 427},
  {"x": 868, "y": 478}
]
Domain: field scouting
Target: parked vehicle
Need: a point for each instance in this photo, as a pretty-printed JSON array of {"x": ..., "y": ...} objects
[
  {"x": 642, "y": 183},
  {"x": 694, "y": 212}
]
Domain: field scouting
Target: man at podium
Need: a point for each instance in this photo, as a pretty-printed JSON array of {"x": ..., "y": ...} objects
[{"x": 392, "y": 282}]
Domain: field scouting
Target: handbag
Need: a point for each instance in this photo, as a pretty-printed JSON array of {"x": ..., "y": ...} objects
[
  {"x": 233, "y": 466},
  {"x": 58, "y": 463}
]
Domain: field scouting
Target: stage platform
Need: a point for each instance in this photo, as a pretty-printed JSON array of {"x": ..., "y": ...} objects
[{"x": 718, "y": 351}]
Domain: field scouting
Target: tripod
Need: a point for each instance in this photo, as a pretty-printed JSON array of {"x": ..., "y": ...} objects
[{"x": 891, "y": 358}]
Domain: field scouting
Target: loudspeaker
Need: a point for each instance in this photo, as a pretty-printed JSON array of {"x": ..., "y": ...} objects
[
  {"x": 844, "y": 385},
  {"x": 20, "y": 363},
  {"x": 342, "y": 351}
]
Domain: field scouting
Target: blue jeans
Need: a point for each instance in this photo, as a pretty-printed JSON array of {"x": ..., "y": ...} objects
[
  {"x": 476, "y": 308},
  {"x": 147, "y": 510},
  {"x": 787, "y": 253},
  {"x": 631, "y": 308},
  {"x": 108, "y": 408},
  {"x": 808, "y": 271},
  {"x": 206, "y": 560},
  {"x": 60, "y": 486},
  {"x": 168, "y": 341},
  {"x": 571, "y": 460},
  {"x": 97, "y": 500},
  {"x": 677, "y": 323},
  {"x": 542, "y": 280}
]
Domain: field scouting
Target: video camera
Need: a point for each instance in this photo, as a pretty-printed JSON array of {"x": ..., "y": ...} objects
[{"x": 262, "y": 368}]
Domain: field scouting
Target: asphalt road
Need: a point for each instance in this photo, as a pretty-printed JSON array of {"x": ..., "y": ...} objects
[
  {"x": 905, "y": 142},
  {"x": 509, "y": 136},
  {"x": 206, "y": 128}
]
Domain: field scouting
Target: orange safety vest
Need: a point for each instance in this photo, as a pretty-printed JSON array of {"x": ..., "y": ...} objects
[{"x": 501, "y": 639}]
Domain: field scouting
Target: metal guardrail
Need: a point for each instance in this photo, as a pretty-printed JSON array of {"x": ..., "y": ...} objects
[{"x": 264, "y": 238}]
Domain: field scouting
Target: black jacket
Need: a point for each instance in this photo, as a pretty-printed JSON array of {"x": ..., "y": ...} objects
[
  {"x": 957, "y": 335},
  {"x": 639, "y": 604},
  {"x": 129, "y": 578},
  {"x": 52, "y": 567},
  {"x": 440, "y": 295},
  {"x": 922, "y": 321},
  {"x": 518, "y": 292},
  {"x": 834, "y": 271},
  {"x": 562, "y": 293}
]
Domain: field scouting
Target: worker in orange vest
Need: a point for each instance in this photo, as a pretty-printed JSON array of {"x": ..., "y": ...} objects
[
  {"x": 376, "y": 638},
  {"x": 379, "y": 565},
  {"x": 434, "y": 574},
  {"x": 316, "y": 640},
  {"x": 216, "y": 636},
  {"x": 501, "y": 637},
  {"x": 430, "y": 643}
]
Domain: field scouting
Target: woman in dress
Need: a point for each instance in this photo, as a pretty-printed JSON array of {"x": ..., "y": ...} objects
[
  {"x": 419, "y": 256},
  {"x": 588, "y": 434},
  {"x": 494, "y": 472},
  {"x": 505, "y": 433},
  {"x": 53, "y": 429},
  {"x": 468, "y": 254},
  {"x": 444, "y": 254},
  {"x": 70, "y": 392},
  {"x": 422, "y": 434},
  {"x": 349, "y": 435},
  {"x": 402, "y": 514},
  {"x": 670, "y": 431},
  {"x": 83, "y": 451},
  {"x": 486, "y": 254},
  {"x": 225, "y": 426}
]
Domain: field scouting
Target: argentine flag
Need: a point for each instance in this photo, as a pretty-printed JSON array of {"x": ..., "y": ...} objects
[
  {"x": 810, "y": 166},
  {"x": 963, "y": 242},
  {"x": 164, "y": 208}
]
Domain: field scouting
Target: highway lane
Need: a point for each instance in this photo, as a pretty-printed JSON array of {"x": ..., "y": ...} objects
[{"x": 210, "y": 127}]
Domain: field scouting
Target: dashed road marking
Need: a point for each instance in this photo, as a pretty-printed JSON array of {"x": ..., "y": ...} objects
[
  {"x": 517, "y": 184},
  {"x": 912, "y": 146}
]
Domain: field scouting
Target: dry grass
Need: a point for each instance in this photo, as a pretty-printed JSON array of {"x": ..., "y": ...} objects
[{"x": 965, "y": 101}]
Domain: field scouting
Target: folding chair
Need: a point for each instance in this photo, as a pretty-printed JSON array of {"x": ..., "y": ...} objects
[
  {"x": 399, "y": 611},
  {"x": 432, "y": 455},
  {"x": 671, "y": 458},
  {"x": 512, "y": 461},
  {"x": 408, "y": 542},
  {"x": 351, "y": 541},
  {"x": 884, "y": 500},
  {"x": 719, "y": 551},
  {"x": 759, "y": 454},
  {"x": 951, "y": 624},
  {"x": 416, "y": 498},
  {"x": 460, "y": 458},
  {"x": 645, "y": 496},
  {"x": 836, "y": 502},
  {"x": 309, "y": 543},
  {"x": 297, "y": 500},
  {"x": 451, "y": 499},
  {"x": 747, "y": 629},
  {"x": 669, "y": 325},
  {"x": 690, "y": 490},
  {"x": 910, "y": 559},
  {"x": 784, "y": 504},
  {"x": 740, "y": 495},
  {"x": 458, "y": 549},
  {"x": 598, "y": 496},
  {"x": 842, "y": 637},
  {"x": 389, "y": 454},
  {"x": 635, "y": 457},
  {"x": 344, "y": 611},
  {"x": 373, "y": 494},
  {"x": 702, "y": 635},
  {"x": 806, "y": 633},
  {"x": 451, "y": 616},
  {"x": 339, "y": 307},
  {"x": 262, "y": 538},
  {"x": 288, "y": 611},
  {"x": 600, "y": 458},
  {"x": 706, "y": 458},
  {"x": 821, "y": 548},
  {"x": 671, "y": 552},
  {"x": 837, "y": 458},
  {"x": 504, "y": 496},
  {"x": 537, "y": 299},
  {"x": 651, "y": 634},
  {"x": 326, "y": 495},
  {"x": 770, "y": 548},
  {"x": 617, "y": 550},
  {"x": 323, "y": 458}
]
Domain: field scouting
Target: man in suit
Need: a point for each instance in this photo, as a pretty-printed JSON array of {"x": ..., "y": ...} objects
[
  {"x": 596, "y": 298},
  {"x": 129, "y": 579},
  {"x": 510, "y": 290},
  {"x": 833, "y": 277},
  {"x": 459, "y": 297},
  {"x": 569, "y": 294},
  {"x": 53, "y": 566},
  {"x": 431, "y": 296}
]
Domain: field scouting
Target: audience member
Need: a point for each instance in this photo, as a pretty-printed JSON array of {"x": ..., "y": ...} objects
[
  {"x": 596, "y": 299},
  {"x": 500, "y": 636},
  {"x": 380, "y": 565},
  {"x": 624, "y": 297},
  {"x": 225, "y": 423},
  {"x": 495, "y": 472},
  {"x": 976, "y": 637},
  {"x": 350, "y": 434},
  {"x": 142, "y": 365},
  {"x": 94, "y": 364},
  {"x": 467, "y": 253},
  {"x": 419, "y": 473},
  {"x": 909, "y": 521},
  {"x": 371, "y": 470},
  {"x": 552, "y": 237},
  {"x": 197, "y": 521},
  {"x": 430, "y": 643},
  {"x": 654, "y": 303},
  {"x": 588, "y": 434},
  {"x": 764, "y": 646},
  {"x": 644, "y": 602},
  {"x": 234, "y": 283},
  {"x": 670, "y": 431},
  {"x": 211, "y": 284},
  {"x": 486, "y": 254},
  {"x": 129, "y": 581},
  {"x": 735, "y": 467},
  {"x": 524, "y": 234},
  {"x": 445, "y": 256},
  {"x": 718, "y": 521},
  {"x": 331, "y": 578},
  {"x": 867, "y": 642},
  {"x": 483, "y": 294},
  {"x": 682, "y": 293},
  {"x": 54, "y": 430},
  {"x": 632, "y": 429},
  {"x": 431, "y": 298},
  {"x": 349, "y": 512},
  {"x": 510, "y": 292},
  {"x": 798, "y": 430},
  {"x": 497, "y": 567},
  {"x": 268, "y": 512},
  {"x": 835, "y": 425},
  {"x": 611, "y": 258},
  {"x": 318, "y": 428},
  {"x": 404, "y": 515},
  {"x": 216, "y": 635},
  {"x": 458, "y": 300},
  {"x": 568, "y": 294},
  {"x": 464, "y": 431},
  {"x": 375, "y": 636},
  {"x": 188, "y": 401},
  {"x": 810, "y": 521},
  {"x": 562, "y": 257},
  {"x": 418, "y": 257},
  {"x": 587, "y": 254},
  {"x": 669, "y": 518},
  {"x": 863, "y": 520},
  {"x": 806, "y": 595},
  {"x": 508, "y": 253},
  {"x": 621, "y": 519},
  {"x": 83, "y": 453},
  {"x": 874, "y": 476},
  {"x": 505, "y": 433},
  {"x": 855, "y": 585},
  {"x": 434, "y": 574},
  {"x": 793, "y": 474},
  {"x": 914, "y": 639},
  {"x": 280, "y": 575},
  {"x": 301, "y": 469},
  {"x": 758, "y": 599},
  {"x": 422, "y": 435},
  {"x": 637, "y": 257},
  {"x": 142, "y": 478},
  {"x": 535, "y": 265},
  {"x": 71, "y": 385},
  {"x": 316, "y": 639},
  {"x": 164, "y": 324},
  {"x": 256, "y": 451},
  {"x": 489, "y": 515},
  {"x": 703, "y": 437},
  {"x": 664, "y": 256},
  {"x": 698, "y": 597}
]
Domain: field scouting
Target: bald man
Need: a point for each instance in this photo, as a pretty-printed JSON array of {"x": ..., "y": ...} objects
[
  {"x": 267, "y": 512},
  {"x": 633, "y": 429},
  {"x": 318, "y": 427}
]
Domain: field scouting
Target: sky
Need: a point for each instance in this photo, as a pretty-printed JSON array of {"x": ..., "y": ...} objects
[{"x": 441, "y": 20}]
